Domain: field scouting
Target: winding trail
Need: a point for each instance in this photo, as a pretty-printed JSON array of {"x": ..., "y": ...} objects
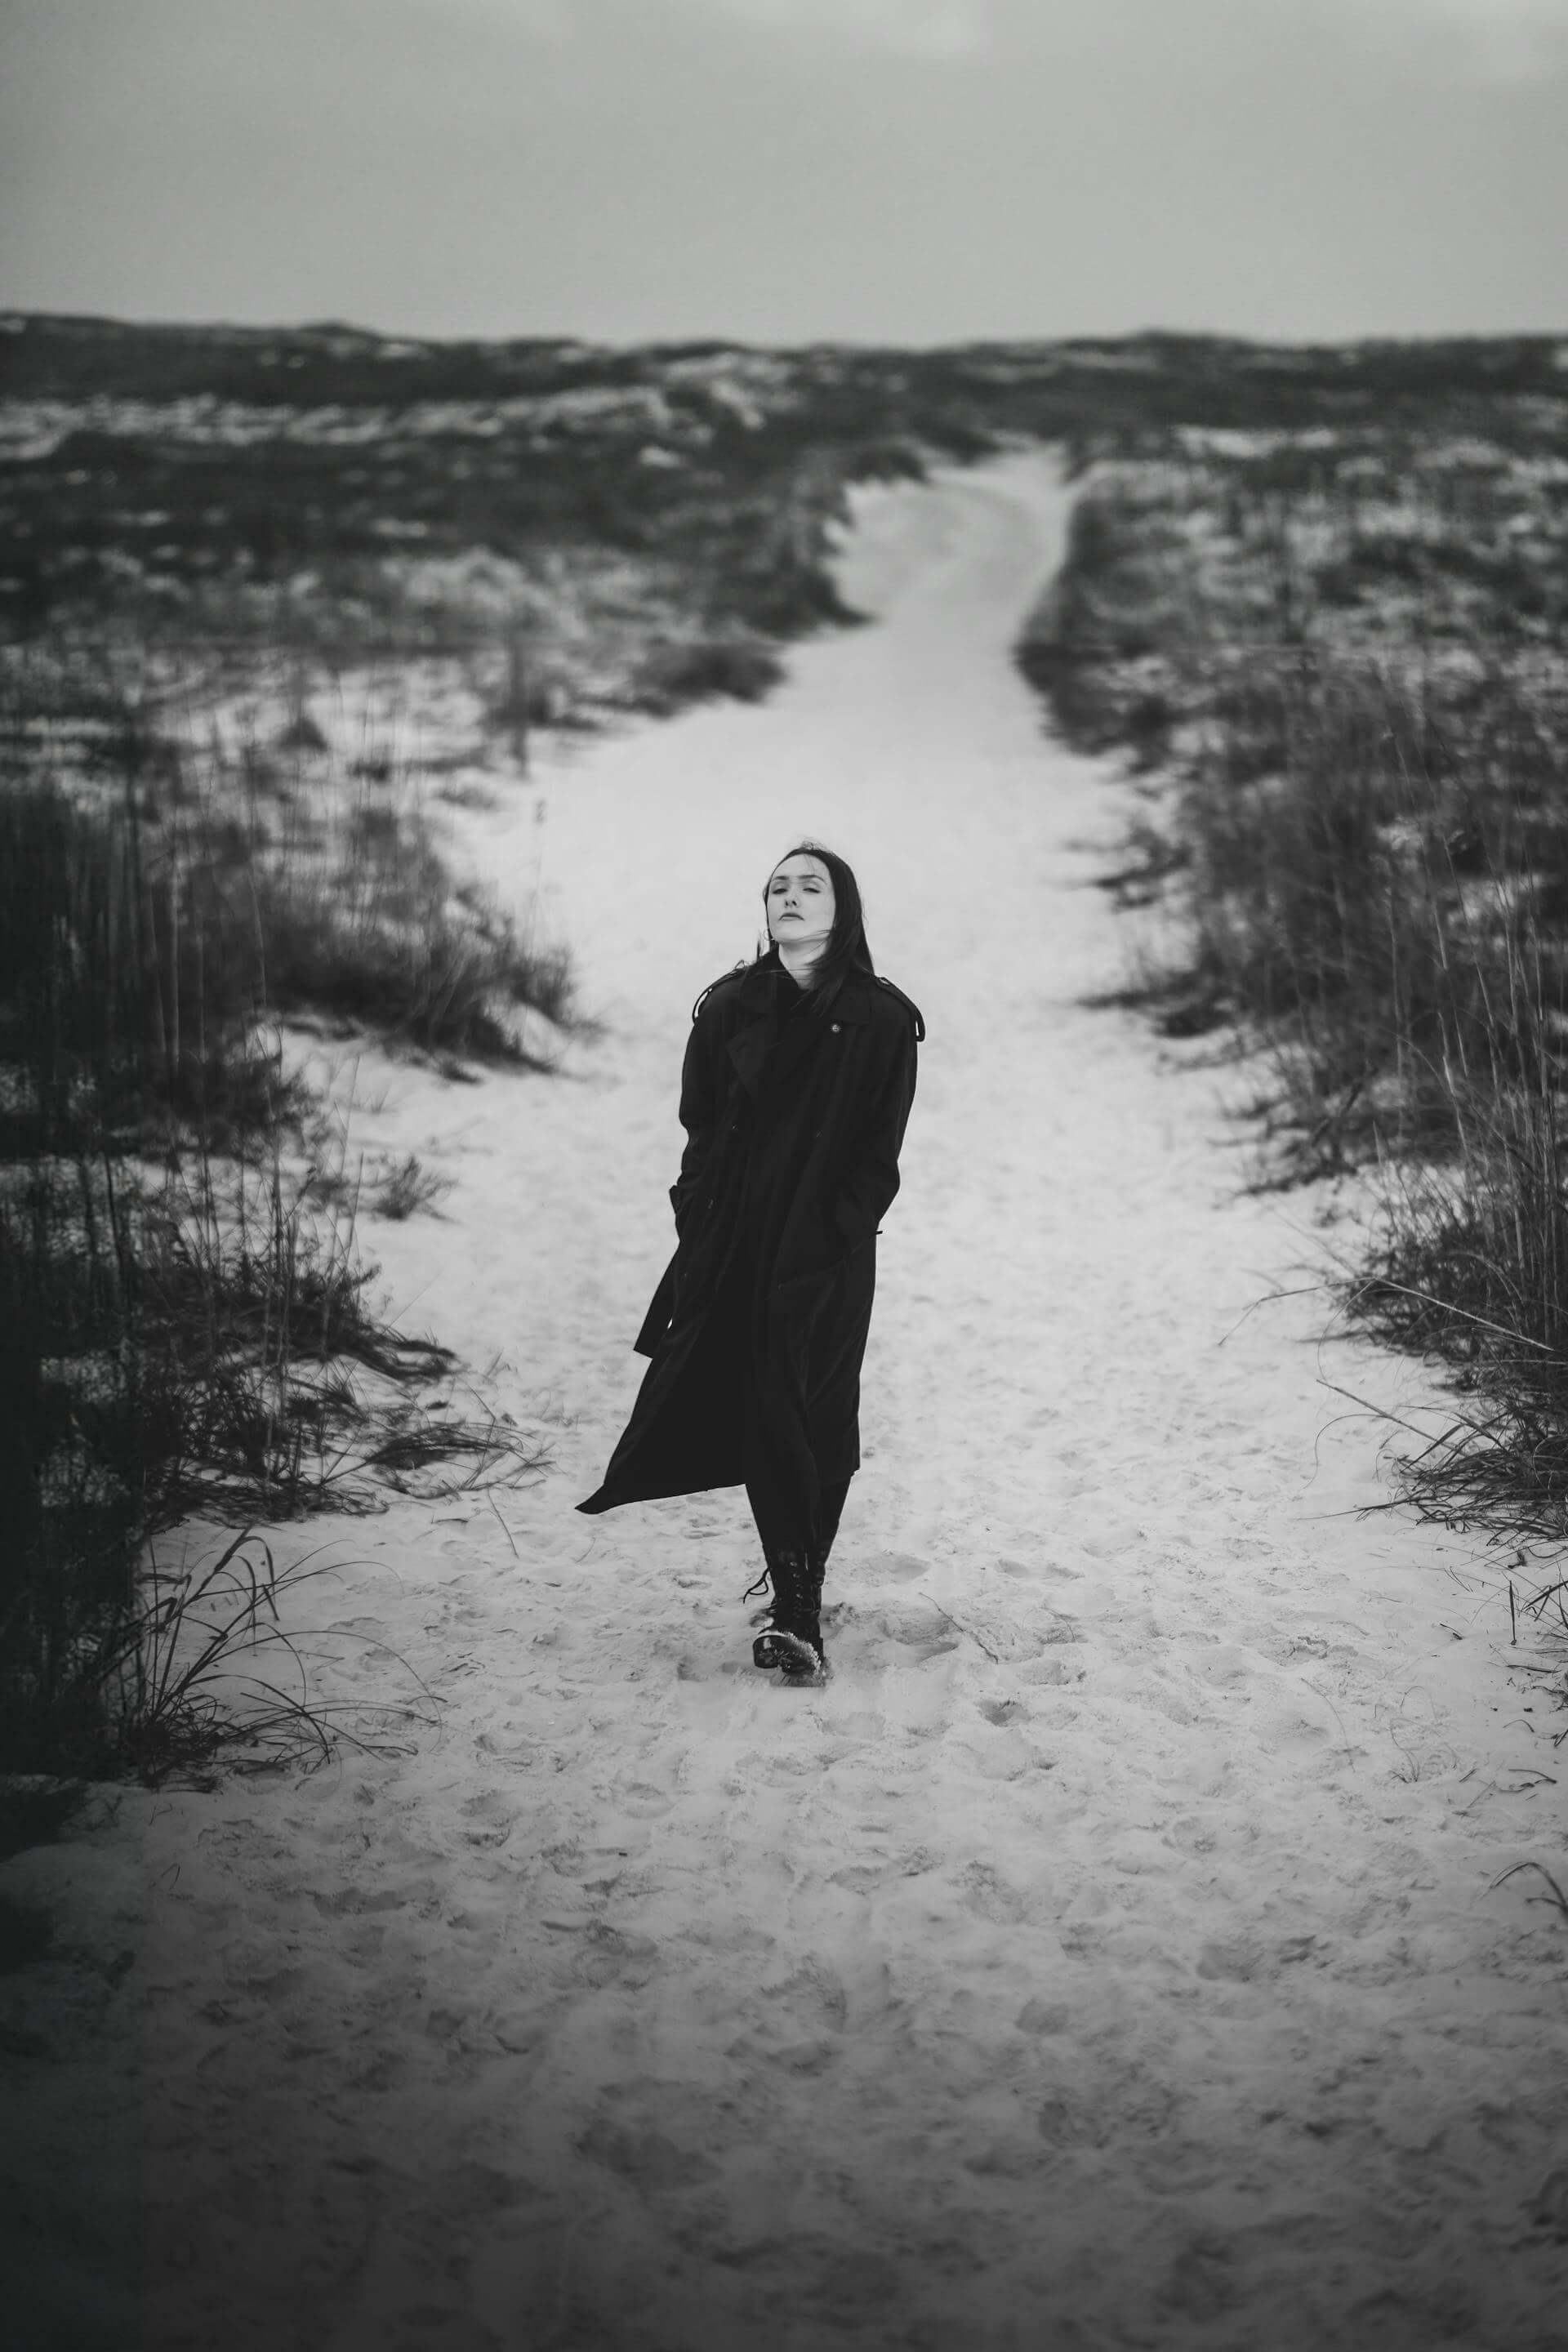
[{"x": 1105, "y": 1958}]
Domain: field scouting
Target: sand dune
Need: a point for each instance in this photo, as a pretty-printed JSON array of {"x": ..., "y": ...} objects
[{"x": 1105, "y": 1956}]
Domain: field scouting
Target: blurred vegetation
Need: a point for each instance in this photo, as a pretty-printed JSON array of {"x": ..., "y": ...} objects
[{"x": 315, "y": 481}]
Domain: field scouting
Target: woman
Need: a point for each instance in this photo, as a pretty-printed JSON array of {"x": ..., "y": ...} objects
[{"x": 796, "y": 1088}]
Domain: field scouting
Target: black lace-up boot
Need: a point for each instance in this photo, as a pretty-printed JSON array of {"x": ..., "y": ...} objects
[{"x": 793, "y": 1641}]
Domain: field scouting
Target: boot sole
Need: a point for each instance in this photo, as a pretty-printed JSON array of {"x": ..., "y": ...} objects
[{"x": 792, "y": 1654}]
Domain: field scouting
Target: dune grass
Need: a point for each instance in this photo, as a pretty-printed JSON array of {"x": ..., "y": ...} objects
[
  {"x": 186, "y": 1324},
  {"x": 1353, "y": 814}
]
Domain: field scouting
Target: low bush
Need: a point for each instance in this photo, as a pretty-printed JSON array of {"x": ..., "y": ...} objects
[
  {"x": 668, "y": 676},
  {"x": 406, "y": 1186}
]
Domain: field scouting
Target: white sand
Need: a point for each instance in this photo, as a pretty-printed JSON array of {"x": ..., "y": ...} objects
[{"x": 1106, "y": 1955}]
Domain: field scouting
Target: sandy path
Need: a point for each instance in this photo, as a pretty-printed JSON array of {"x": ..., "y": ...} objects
[{"x": 1105, "y": 1958}]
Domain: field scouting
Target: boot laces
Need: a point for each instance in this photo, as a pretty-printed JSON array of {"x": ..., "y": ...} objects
[{"x": 790, "y": 1579}]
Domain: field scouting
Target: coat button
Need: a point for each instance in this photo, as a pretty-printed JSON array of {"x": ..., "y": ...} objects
[{"x": 836, "y": 1028}]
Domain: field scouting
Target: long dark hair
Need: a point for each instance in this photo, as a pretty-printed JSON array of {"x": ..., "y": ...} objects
[{"x": 846, "y": 950}]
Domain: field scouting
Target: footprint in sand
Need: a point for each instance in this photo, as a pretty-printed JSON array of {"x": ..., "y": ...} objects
[
  {"x": 615, "y": 1955},
  {"x": 894, "y": 1567},
  {"x": 646, "y": 2157},
  {"x": 1044, "y": 2016},
  {"x": 925, "y": 1631},
  {"x": 804, "y": 2058},
  {"x": 1041, "y": 1571},
  {"x": 432, "y": 2327},
  {"x": 492, "y": 1815},
  {"x": 350, "y": 1900},
  {"x": 1241, "y": 1962},
  {"x": 1116, "y": 2107},
  {"x": 1201, "y": 2284},
  {"x": 813, "y": 1992},
  {"x": 640, "y": 1796},
  {"x": 988, "y": 1894},
  {"x": 864, "y": 1877},
  {"x": 1003, "y": 1711}
]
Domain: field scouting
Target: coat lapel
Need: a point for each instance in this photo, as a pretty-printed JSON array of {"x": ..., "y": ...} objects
[
  {"x": 749, "y": 1048},
  {"x": 799, "y": 1037}
]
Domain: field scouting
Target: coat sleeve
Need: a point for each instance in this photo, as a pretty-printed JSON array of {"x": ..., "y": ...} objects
[
  {"x": 701, "y": 1108},
  {"x": 870, "y": 1180}
]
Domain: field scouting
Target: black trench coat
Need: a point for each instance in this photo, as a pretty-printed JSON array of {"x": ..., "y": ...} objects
[{"x": 757, "y": 1330}]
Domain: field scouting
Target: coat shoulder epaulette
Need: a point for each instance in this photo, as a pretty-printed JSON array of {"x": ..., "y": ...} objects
[
  {"x": 723, "y": 976},
  {"x": 909, "y": 1004}
]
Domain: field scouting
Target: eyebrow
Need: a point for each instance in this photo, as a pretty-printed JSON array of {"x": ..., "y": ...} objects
[{"x": 783, "y": 876}]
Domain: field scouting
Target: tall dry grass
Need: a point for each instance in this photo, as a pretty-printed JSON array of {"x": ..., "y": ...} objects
[
  {"x": 1385, "y": 910},
  {"x": 185, "y": 1318},
  {"x": 1362, "y": 840},
  {"x": 1472, "y": 1269},
  {"x": 1373, "y": 873}
]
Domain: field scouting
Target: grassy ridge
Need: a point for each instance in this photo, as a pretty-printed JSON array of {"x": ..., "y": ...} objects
[
  {"x": 330, "y": 487},
  {"x": 1338, "y": 663}
]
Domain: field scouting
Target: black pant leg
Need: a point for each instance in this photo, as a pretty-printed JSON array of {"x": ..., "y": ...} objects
[
  {"x": 788, "y": 1521},
  {"x": 828, "y": 1516}
]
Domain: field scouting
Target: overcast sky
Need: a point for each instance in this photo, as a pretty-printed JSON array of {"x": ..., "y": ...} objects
[{"x": 910, "y": 171}]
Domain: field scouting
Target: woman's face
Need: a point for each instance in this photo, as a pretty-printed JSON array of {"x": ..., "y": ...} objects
[{"x": 800, "y": 903}]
